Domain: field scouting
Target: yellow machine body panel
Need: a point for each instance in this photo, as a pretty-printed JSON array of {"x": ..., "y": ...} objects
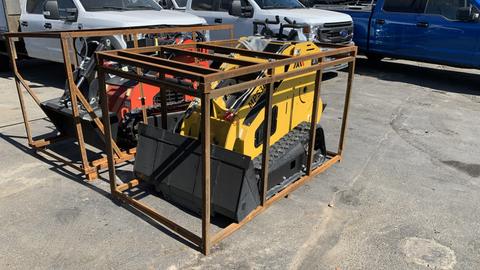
[{"x": 242, "y": 130}]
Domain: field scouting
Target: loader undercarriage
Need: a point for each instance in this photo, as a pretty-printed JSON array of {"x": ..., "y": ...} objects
[{"x": 288, "y": 157}]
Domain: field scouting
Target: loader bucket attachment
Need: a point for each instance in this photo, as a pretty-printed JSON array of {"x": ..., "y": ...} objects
[
  {"x": 173, "y": 163},
  {"x": 64, "y": 122}
]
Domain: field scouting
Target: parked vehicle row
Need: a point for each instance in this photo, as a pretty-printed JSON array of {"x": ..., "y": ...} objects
[
  {"x": 55, "y": 15},
  {"x": 48, "y": 15},
  {"x": 438, "y": 31}
]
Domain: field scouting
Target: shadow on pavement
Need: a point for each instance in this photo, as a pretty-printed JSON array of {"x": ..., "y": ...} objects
[
  {"x": 63, "y": 170},
  {"x": 40, "y": 73},
  {"x": 435, "y": 78}
]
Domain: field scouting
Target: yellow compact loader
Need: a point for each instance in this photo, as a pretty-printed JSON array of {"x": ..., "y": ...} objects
[
  {"x": 172, "y": 161},
  {"x": 237, "y": 120}
]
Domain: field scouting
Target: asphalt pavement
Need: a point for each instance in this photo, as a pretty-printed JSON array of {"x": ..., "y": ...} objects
[{"x": 405, "y": 196}]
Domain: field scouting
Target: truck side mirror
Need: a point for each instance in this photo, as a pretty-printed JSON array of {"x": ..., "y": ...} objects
[
  {"x": 465, "y": 14},
  {"x": 50, "y": 10},
  {"x": 237, "y": 9},
  {"x": 71, "y": 14},
  {"x": 247, "y": 11}
]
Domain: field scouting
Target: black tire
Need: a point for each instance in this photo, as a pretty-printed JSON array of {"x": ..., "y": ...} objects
[
  {"x": 374, "y": 58},
  {"x": 4, "y": 63}
]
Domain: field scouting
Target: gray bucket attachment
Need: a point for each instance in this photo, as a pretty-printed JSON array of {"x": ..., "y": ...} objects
[
  {"x": 173, "y": 163},
  {"x": 63, "y": 120}
]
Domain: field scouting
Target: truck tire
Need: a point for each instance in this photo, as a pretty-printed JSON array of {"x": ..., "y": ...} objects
[
  {"x": 4, "y": 63},
  {"x": 374, "y": 58}
]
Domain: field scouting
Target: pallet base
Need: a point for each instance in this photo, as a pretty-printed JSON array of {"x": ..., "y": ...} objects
[{"x": 91, "y": 172}]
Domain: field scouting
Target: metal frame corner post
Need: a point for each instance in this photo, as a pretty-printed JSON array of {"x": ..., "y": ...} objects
[
  {"x": 314, "y": 119},
  {"x": 12, "y": 51},
  {"x": 351, "y": 73},
  {"x": 73, "y": 95},
  {"x": 267, "y": 128},
  {"x": 107, "y": 125},
  {"x": 206, "y": 173}
]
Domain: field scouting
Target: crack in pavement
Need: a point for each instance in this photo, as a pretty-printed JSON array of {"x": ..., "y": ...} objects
[
  {"x": 307, "y": 246},
  {"x": 22, "y": 122},
  {"x": 434, "y": 155}
]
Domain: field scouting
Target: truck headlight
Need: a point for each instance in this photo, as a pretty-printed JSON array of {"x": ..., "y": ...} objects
[
  {"x": 311, "y": 34},
  {"x": 207, "y": 35}
]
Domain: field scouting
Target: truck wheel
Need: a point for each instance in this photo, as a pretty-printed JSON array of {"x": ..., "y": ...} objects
[
  {"x": 4, "y": 63},
  {"x": 374, "y": 58}
]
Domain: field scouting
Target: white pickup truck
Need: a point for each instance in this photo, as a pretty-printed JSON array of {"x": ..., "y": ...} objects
[
  {"x": 55, "y": 15},
  {"x": 319, "y": 25}
]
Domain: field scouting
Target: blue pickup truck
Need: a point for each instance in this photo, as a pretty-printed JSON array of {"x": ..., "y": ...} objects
[{"x": 438, "y": 31}]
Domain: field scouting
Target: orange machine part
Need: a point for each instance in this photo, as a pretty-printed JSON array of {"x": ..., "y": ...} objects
[{"x": 123, "y": 99}]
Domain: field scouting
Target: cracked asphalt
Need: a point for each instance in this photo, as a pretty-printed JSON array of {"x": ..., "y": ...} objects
[{"x": 405, "y": 196}]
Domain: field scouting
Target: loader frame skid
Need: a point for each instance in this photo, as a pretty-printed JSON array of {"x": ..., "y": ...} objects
[
  {"x": 86, "y": 166},
  {"x": 221, "y": 51}
]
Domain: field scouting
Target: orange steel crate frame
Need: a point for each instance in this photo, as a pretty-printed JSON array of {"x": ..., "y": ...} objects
[
  {"x": 88, "y": 167},
  {"x": 218, "y": 51}
]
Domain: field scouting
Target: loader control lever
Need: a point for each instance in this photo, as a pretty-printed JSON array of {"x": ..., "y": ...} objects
[
  {"x": 266, "y": 31},
  {"x": 269, "y": 33},
  {"x": 85, "y": 73},
  {"x": 293, "y": 26}
]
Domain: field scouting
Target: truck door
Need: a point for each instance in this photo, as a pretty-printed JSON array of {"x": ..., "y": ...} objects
[
  {"x": 216, "y": 12},
  {"x": 32, "y": 21},
  {"x": 448, "y": 35},
  {"x": 394, "y": 29}
]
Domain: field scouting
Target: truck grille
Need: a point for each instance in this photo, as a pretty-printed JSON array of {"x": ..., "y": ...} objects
[{"x": 338, "y": 33}]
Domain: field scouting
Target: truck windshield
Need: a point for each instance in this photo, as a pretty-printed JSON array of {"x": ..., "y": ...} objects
[
  {"x": 122, "y": 5},
  {"x": 279, "y": 4}
]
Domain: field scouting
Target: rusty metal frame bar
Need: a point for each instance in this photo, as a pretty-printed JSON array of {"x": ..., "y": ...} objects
[
  {"x": 208, "y": 56},
  {"x": 66, "y": 38},
  {"x": 228, "y": 50},
  {"x": 342, "y": 55},
  {"x": 121, "y": 31}
]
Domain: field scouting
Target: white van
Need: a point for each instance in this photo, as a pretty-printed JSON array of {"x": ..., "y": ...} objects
[{"x": 320, "y": 25}]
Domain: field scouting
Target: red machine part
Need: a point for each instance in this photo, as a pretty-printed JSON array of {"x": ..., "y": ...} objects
[{"x": 125, "y": 97}]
